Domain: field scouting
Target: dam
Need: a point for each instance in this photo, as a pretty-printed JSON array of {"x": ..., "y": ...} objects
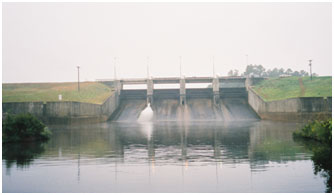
[
  {"x": 224, "y": 99},
  {"x": 190, "y": 99}
]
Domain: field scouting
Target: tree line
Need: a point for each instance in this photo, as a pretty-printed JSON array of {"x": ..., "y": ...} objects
[{"x": 260, "y": 71}]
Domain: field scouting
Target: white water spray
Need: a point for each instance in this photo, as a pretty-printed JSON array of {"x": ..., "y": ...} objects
[
  {"x": 146, "y": 115},
  {"x": 145, "y": 119}
]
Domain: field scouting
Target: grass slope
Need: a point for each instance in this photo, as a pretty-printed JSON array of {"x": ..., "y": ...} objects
[
  {"x": 90, "y": 92},
  {"x": 292, "y": 87}
]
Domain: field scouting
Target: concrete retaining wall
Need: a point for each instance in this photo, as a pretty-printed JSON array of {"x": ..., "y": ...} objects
[
  {"x": 35, "y": 108},
  {"x": 110, "y": 105},
  {"x": 65, "y": 111},
  {"x": 293, "y": 109},
  {"x": 72, "y": 109}
]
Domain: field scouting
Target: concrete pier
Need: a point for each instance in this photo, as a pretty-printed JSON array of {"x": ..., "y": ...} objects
[
  {"x": 150, "y": 91},
  {"x": 182, "y": 91},
  {"x": 118, "y": 86},
  {"x": 215, "y": 88}
]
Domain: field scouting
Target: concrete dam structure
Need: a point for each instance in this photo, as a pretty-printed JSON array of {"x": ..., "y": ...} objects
[{"x": 224, "y": 99}]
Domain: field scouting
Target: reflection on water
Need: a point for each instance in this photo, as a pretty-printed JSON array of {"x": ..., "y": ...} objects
[
  {"x": 21, "y": 154},
  {"x": 322, "y": 160},
  {"x": 146, "y": 128},
  {"x": 257, "y": 156}
]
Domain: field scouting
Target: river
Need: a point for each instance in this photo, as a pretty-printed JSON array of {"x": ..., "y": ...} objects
[{"x": 203, "y": 156}]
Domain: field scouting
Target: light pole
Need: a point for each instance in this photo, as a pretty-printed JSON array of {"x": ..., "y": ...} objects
[
  {"x": 310, "y": 64},
  {"x": 78, "y": 78}
]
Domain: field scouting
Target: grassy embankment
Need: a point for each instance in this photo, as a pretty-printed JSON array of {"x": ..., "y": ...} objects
[
  {"x": 291, "y": 87},
  {"x": 90, "y": 92}
]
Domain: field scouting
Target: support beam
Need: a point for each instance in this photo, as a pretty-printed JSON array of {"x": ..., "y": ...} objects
[
  {"x": 149, "y": 91},
  {"x": 215, "y": 88},
  {"x": 118, "y": 86},
  {"x": 182, "y": 91}
]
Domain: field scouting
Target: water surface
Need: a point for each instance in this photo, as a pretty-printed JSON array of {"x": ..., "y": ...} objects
[{"x": 207, "y": 156}]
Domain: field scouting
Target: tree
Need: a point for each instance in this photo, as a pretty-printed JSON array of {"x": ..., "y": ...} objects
[
  {"x": 255, "y": 70},
  {"x": 303, "y": 73},
  {"x": 23, "y": 127},
  {"x": 260, "y": 71},
  {"x": 295, "y": 73},
  {"x": 281, "y": 71},
  {"x": 274, "y": 73},
  {"x": 234, "y": 72},
  {"x": 288, "y": 71},
  {"x": 249, "y": 70},
  {"x": 267, "y": 73}
]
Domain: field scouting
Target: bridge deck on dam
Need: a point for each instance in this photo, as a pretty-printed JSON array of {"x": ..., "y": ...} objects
[
  {"x": 175, "y": 93},
  {"x": 171, "y": 80}
]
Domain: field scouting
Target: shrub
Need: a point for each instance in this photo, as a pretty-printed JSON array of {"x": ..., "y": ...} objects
[
  {"x": 23, "y": 127},
  {"x": 318, "y": 130}
]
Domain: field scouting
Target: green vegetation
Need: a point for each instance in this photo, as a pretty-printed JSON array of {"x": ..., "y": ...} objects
[
  {"x": 317, "y": 137},
  {"x": 317, "y": 130},
  {"x": 90, "y": 92},
  {"x": 274, "y": 89},
  {"x": 22, "y": 128},
  {"x": 260, "y": 71}
]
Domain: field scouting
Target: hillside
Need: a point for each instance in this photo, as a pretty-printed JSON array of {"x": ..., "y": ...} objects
[
  {"x": 90, "y": 92},
  {"x": 291, "y": 87}
]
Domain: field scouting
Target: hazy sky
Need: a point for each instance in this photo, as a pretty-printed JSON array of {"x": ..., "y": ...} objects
[{"x": 44, "y": 42}]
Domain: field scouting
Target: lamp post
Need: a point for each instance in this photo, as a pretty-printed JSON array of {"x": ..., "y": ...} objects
[
  {"x": 310, "y": 64},
  {"x": 78, "y": 78}
]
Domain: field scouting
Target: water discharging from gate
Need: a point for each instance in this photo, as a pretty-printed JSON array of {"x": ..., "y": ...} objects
[
  {"x": 145, "y": 119},
  {"x": 229, "y": 109},
  {"x": 146, "y": 115}
]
